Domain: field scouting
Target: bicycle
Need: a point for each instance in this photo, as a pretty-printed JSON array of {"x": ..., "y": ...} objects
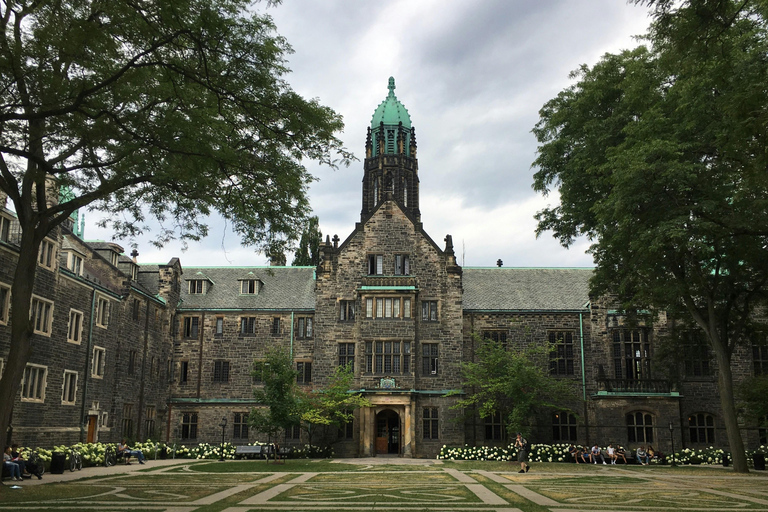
[
  {"x": 35, "y": 464},
  {"x": 75, "y": 460},
  {"x": 110, "y": 457}
]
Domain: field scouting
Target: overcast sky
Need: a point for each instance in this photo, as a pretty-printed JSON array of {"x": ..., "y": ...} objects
[{"x": 473, "y": 76}]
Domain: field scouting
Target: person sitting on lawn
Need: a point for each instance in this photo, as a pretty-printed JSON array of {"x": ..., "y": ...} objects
[
  {"x": 621, "y": 452},
  {"x": 13, "y": 468},
  {"x": 575, "y": 453},
  {"x": 597, "y": 452},
  {"x": 642, "y": 456},
  {"x": 125, "y": 451},
  {"x": 586, "y": 455},
  {"x": 611, "y": 453}
]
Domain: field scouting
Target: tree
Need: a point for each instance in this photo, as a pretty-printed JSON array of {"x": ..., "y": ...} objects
[
  {"x": 659, "y": 158},
  {"x": 333, "y": 405},
  {"x": 308, "y": 253},
  {"x": 514, "y": 384},
  {"x": 281, "y": 399},
  {"x": 158, "y": 109}
]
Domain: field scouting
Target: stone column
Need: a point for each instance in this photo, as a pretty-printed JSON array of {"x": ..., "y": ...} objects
[{"x": 407, "y": 431}]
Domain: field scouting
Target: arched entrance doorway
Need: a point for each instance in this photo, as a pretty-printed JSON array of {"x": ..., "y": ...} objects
[{"x": 387, "y": 432}]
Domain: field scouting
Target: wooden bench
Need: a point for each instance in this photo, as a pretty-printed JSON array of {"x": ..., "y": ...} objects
[{"x": 249, "y": 452}]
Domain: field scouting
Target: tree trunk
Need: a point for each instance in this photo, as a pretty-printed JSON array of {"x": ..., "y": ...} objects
[
  {"x": 727, "y": 404},
  {"x": 21, "y": 326}
]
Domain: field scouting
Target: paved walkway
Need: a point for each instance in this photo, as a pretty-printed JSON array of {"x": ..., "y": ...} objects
[{"x": 177, "y": 486}]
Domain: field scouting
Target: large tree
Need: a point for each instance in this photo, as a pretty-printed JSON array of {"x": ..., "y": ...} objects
[
  {"x": 164, "y": 109},
  {"x": 659, "y": 156},
  {"x": 513, "y": 384},
  {"x": 308, "y": 252}
]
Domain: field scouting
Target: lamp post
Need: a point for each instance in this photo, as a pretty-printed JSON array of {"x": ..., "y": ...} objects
[
  {"x": 672, "y": 438},
  {"x": 223, "y": 426}
]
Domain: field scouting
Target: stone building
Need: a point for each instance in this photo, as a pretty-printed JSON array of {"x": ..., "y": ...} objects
[{"x": 167, "y": 352}]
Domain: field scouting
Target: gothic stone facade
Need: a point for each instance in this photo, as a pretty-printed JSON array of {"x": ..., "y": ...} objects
[{"x": 166, "y": 352}]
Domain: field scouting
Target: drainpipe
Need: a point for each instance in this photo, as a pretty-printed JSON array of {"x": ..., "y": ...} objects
[
  {"x": 583, "y": 376},
  {"x": 292, "y": 313},
  {"x": 86, "y": 374}
]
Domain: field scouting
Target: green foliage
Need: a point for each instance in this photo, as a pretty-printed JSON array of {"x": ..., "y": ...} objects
[
  {"x": 160, "y": 109},
  {"x": 281, "y": 397},
  {"x": 308, "y": 252},
  {"x": 333, "y": 405},
  {"x": 659, "y": 158},
  {"x": 752, "y": 392},
  {"x": 514, "y": 383}
]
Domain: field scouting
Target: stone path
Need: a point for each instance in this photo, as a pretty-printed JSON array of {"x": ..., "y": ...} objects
[{"x": 177, "y": 486}]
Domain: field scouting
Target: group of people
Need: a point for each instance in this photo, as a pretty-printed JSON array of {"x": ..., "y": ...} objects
[
  {"x": 17, "y": 466},
  {"x": 614, "y": 453}
]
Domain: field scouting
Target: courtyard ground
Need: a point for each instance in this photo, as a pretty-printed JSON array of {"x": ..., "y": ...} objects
[{"x": 387, "y": 484}]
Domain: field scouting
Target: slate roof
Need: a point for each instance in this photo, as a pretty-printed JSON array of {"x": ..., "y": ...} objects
[
  {"x": 526, "y": 289},
  {"x": 283, "y": 288}
]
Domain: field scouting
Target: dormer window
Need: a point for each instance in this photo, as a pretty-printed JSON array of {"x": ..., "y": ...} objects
[
  {"x": 197, "y": 286},
  {"x": 249, "y": 286},
  {"x": 45, "y": 256},
  {"x": 75, "y": 263},
  {"x": 113, "y": 257}
]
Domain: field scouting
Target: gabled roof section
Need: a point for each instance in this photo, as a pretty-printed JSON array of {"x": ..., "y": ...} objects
[
  {"x": 526, "y": 289},
  {"x": 283, "y": 288}
]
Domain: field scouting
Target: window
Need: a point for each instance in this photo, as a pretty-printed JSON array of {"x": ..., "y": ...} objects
[
  {"x": 563, "y": 426},
  {"x": 388, "y": 357},
  {"x": 760, "y": 355},
  {"x": 347, "y": 430},
  {"x": 5, "y": 302},
  {"x": 293, "y": 433},
  {"x": 197, "y": 286},
  {"x": 387, "y": 307},
  {"x": 347, "y": 310},
  {"x": 429, "y": 358},
  {"x": 347, "y": 355},
  {"x": 402, "y": 265},
  {"x": 249, "y": 287},
  {"x": 189, "y": 425},
  {"x": 75, "y": 330},
  {"x": 240, "y": 426},
  {"x": 429, "y": 311},
  {"x": 191, "y": 327},
  {"x": 276, "y": 325},
  {"x": 97, "y": 362},
  {"x": 247, "y": 325},
  {"x": 42, "y": 315},
  {"x": 75, "y": 263},
  {"x": 561, "y": 355},
  {"x": 131, "y": 362},
  {"x": 494, "y": 427},
  {"x": 5, "y": 228},
  {"x": 304, "y": 369},
  {"x": 113, "y": 258},
  {"x": 102, "y": 312},
  {"x": 431, "y": 426},
  {"x": 33, "y": 383},
  {"x": 221, "y": 371},
  {"x": 149, "y": 421},
  {"x": 639, "y": 428},
  {"x": 45, "y": 257},
  {"x": 631, "y": 354},
  {"x": 219, "y": 328},
  {"x": 127, "y": 426},
  {"x": 258, "y": 372},
  {"x": 304, "y": 327},
  {"x": 375, "y": 264},
  {"x": 103, "y": 420},
  {"x": 696, "y": 356},
  {"x": 136, "y": 307},
  {"x": 701, "y": 428},
  {"x": 183, "y": 371},
  {"x": 69, "y": 388},
  {"x": 496, "y": 336}
]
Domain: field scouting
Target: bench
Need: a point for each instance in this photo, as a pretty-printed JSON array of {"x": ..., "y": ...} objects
[{"x": 249, "y": 452}]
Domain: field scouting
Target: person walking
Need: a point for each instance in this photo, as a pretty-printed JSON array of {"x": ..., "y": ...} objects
[{"x": 522, "y": 453}]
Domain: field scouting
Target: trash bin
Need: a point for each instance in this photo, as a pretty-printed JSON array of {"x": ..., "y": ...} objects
[
  {"x": 58, "y": 461},
  {"x": 759, "y": 461},
  {"x": 164, "y": 453},
  {"x": 725, "y": 460}
]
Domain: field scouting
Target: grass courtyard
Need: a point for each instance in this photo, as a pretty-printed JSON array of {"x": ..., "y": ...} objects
[{"x": 307, "y": 485}]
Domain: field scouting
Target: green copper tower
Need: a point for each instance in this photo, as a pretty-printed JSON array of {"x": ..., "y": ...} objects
[{"x": 391, "y": 167}]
